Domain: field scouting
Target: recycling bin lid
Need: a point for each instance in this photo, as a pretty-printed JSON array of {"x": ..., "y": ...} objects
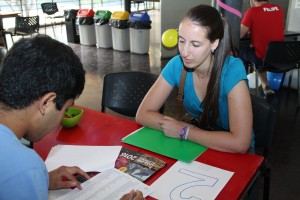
[
  {"x": 102, "y": 14},
  {"x": 120, "y": 15},
  {"x": 85, "y": 13},
  {"x": 85, "y": 21},
  {"x": 139, "y": 16}
]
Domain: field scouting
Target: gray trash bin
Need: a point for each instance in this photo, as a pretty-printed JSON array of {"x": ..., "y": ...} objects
[
  {"x": 102, "y": 28},
  {"x": 85, "y": 21},
  {"x": 140, "y": 25},
  {"x": 120, "y": 30}
]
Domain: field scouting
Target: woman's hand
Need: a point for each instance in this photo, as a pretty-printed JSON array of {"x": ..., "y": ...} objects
[
  {"x": 171, "y": 127},
  {"x": 63, "y": 177},
  {"x": 133, "y": 195}
]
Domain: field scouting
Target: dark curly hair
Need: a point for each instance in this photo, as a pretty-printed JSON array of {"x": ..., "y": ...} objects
[{"x": 36, "y": 66}]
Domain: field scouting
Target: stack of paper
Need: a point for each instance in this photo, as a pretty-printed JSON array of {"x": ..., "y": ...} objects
[
  {"x": 110, "y": 184},
  {"x": 88, "y": 158}
]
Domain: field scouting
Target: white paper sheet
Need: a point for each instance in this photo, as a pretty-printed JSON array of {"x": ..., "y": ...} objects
[
  {"x": 54, "y": 194},
  {"x": 111, "y": 184},
  {"x": 88, "y": 158},
  {"x": 190, "y": 181}
]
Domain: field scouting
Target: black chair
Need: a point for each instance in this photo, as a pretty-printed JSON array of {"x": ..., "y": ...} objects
[
  {"x": 24, "y": 26},
  {"x": 123, "y": 92},
  {"x": 50, "y": 10},
  {"x": 264, "y": 118},
  {"x": 281, "y": 57}
]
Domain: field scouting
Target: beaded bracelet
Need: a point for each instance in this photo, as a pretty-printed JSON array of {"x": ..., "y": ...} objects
[
  {"x": 183, "y": 133},
  {"x": 187, "y": 133}
]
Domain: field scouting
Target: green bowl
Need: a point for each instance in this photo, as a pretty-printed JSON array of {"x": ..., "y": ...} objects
[{"x": 72, "y": 117}]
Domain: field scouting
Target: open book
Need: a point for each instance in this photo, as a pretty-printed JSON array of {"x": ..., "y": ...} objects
[{"x": 137, "y": 164}]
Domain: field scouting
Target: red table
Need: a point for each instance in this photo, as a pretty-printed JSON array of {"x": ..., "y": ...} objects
[{"x": 96, "y": 128}]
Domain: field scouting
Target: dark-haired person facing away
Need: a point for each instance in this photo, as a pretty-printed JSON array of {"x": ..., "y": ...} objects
[
  {"x": 39, "y": 79},
  {"x": 215, "y": 90},
  {"x": 265, "y": 23}
]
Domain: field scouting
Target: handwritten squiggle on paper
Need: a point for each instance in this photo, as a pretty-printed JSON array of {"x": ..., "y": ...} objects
[
  {"x": 229, "y": 9},
  {"x": 189, "y": 189}
]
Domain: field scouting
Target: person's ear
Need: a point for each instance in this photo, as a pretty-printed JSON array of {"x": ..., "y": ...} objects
[
  {"x": 45, "y": 100},
  {"x": 214, "y": 45}
]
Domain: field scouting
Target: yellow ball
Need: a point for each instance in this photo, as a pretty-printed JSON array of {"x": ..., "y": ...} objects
[{"x": 170, "y": 38}]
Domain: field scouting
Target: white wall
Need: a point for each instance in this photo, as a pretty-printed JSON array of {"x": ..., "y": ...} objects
[
  {"x": 171, "y": 14},
  {"x": 293, "y": 16}
]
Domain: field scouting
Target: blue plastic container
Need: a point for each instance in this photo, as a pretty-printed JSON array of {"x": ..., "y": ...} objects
[{"x": 274, "y": 80}]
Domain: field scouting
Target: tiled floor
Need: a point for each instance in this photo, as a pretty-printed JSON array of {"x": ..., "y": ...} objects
[{"x": 284, "y": 161}]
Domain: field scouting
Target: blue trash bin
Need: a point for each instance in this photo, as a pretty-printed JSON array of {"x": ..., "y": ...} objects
[{"x": 140, "y": 25}]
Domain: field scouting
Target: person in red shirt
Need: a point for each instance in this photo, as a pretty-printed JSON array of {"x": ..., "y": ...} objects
[{"x": 265, "y": 23}]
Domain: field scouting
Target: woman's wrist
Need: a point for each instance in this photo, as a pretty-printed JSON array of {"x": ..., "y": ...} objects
[{"x": 183, "y": 133}]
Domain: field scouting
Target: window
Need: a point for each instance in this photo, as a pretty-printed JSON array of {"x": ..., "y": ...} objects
[{"x": 33, "y": 7}]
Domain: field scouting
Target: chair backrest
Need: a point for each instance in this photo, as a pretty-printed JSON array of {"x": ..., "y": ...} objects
[
  {"x": 27, "y": 25},
  {"x": 264, "y": 118},
  {"x": 49, "y": 8},
  {"x": 282, "y": 56},
  {"x": 123, "y": 92}
]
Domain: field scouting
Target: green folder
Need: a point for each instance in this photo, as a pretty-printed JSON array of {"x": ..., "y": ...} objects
[{"x": 156, "y": 141}]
